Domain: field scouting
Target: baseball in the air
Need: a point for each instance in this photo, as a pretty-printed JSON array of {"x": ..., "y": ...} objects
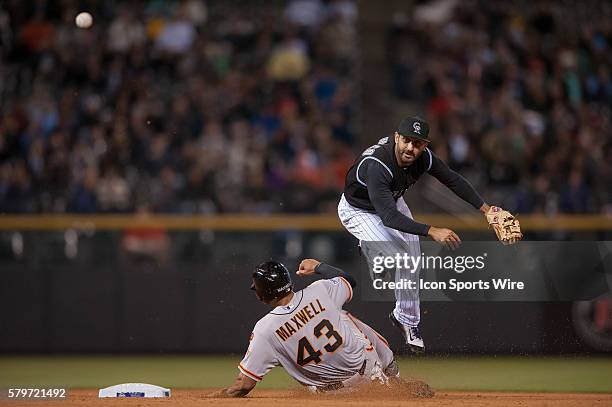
[{"x": 83, "y": 20}]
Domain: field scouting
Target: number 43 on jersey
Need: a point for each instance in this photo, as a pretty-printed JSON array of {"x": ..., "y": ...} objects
[{"x": 307, "y": 353}]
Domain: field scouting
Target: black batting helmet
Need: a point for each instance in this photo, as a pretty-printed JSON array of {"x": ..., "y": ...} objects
[{"x": 271, "y": 280}]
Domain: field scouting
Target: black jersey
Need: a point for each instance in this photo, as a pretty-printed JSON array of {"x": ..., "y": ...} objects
[{"x": 375, "y": 182}]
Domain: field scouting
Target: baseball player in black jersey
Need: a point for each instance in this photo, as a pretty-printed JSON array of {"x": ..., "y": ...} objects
[{"x": 371, "y": 208}]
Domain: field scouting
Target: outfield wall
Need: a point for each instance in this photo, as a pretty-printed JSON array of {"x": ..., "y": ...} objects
[
  {"x": 186, "y": 308},
  {"x": 93, "y": 295}
]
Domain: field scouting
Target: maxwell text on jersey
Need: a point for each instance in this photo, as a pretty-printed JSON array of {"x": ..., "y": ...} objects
[{"x": 300, "y": 319}]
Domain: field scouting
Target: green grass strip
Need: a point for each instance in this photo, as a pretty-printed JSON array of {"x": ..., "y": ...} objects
[{"x": 527, "y": 374}]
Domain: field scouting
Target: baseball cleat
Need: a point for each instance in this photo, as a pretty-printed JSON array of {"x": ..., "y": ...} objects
[{"x": 411, "y": 335}]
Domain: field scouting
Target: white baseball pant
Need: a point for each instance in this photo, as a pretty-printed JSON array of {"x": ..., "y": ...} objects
[{"x": 369, "y": 227}]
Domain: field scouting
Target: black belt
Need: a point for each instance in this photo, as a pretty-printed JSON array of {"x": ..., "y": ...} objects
[{"x": 340, "y": 385}]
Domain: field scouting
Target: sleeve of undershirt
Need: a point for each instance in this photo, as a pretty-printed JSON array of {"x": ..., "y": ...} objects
[
  {"x": 455, "y": 182},
  {"x": 378, "y": 182}
]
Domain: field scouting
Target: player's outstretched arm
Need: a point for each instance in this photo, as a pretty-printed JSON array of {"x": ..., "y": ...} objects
[
  {"x": 312, "y": 266},
  {"x": 241, "y": 387},
  {"x": 456, "y": 183},
  {"x": 381, "y": 196}
]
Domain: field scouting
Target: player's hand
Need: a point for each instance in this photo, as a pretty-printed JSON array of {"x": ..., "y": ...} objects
[
  {"x": 446, "y": 237},
  {"x": 222, "y": 393},
  {"x": 307, "y": 267}
]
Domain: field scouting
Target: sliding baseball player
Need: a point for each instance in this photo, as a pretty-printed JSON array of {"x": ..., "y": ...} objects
[{"x": 307, "y": 333}]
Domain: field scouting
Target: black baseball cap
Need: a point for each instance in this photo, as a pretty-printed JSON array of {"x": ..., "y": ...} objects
[{"x": 414, "y": 127}]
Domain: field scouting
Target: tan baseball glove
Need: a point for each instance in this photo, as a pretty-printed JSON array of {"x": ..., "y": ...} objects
[{"x": 506, "y": 226}]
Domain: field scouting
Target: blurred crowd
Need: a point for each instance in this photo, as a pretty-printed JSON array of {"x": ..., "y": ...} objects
[
  {"x": 176, "y": 106},
  {"x": 519, "y": 95},
  {"x": 250, "y": 106}
]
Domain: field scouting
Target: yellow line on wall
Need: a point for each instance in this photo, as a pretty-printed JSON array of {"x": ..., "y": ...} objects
[{"x": 245, "y": 222}]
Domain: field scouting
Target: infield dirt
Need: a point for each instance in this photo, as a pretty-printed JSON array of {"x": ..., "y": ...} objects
[{"x": 198, "y": 397}]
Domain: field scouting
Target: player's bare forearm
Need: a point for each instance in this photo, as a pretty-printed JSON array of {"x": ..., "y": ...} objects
[
  {"x": 484, "y": 208},
  {"x": 241, "y": 387}
]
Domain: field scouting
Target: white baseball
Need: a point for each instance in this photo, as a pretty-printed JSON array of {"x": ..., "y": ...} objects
[{"x": 83, "y": 20}]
